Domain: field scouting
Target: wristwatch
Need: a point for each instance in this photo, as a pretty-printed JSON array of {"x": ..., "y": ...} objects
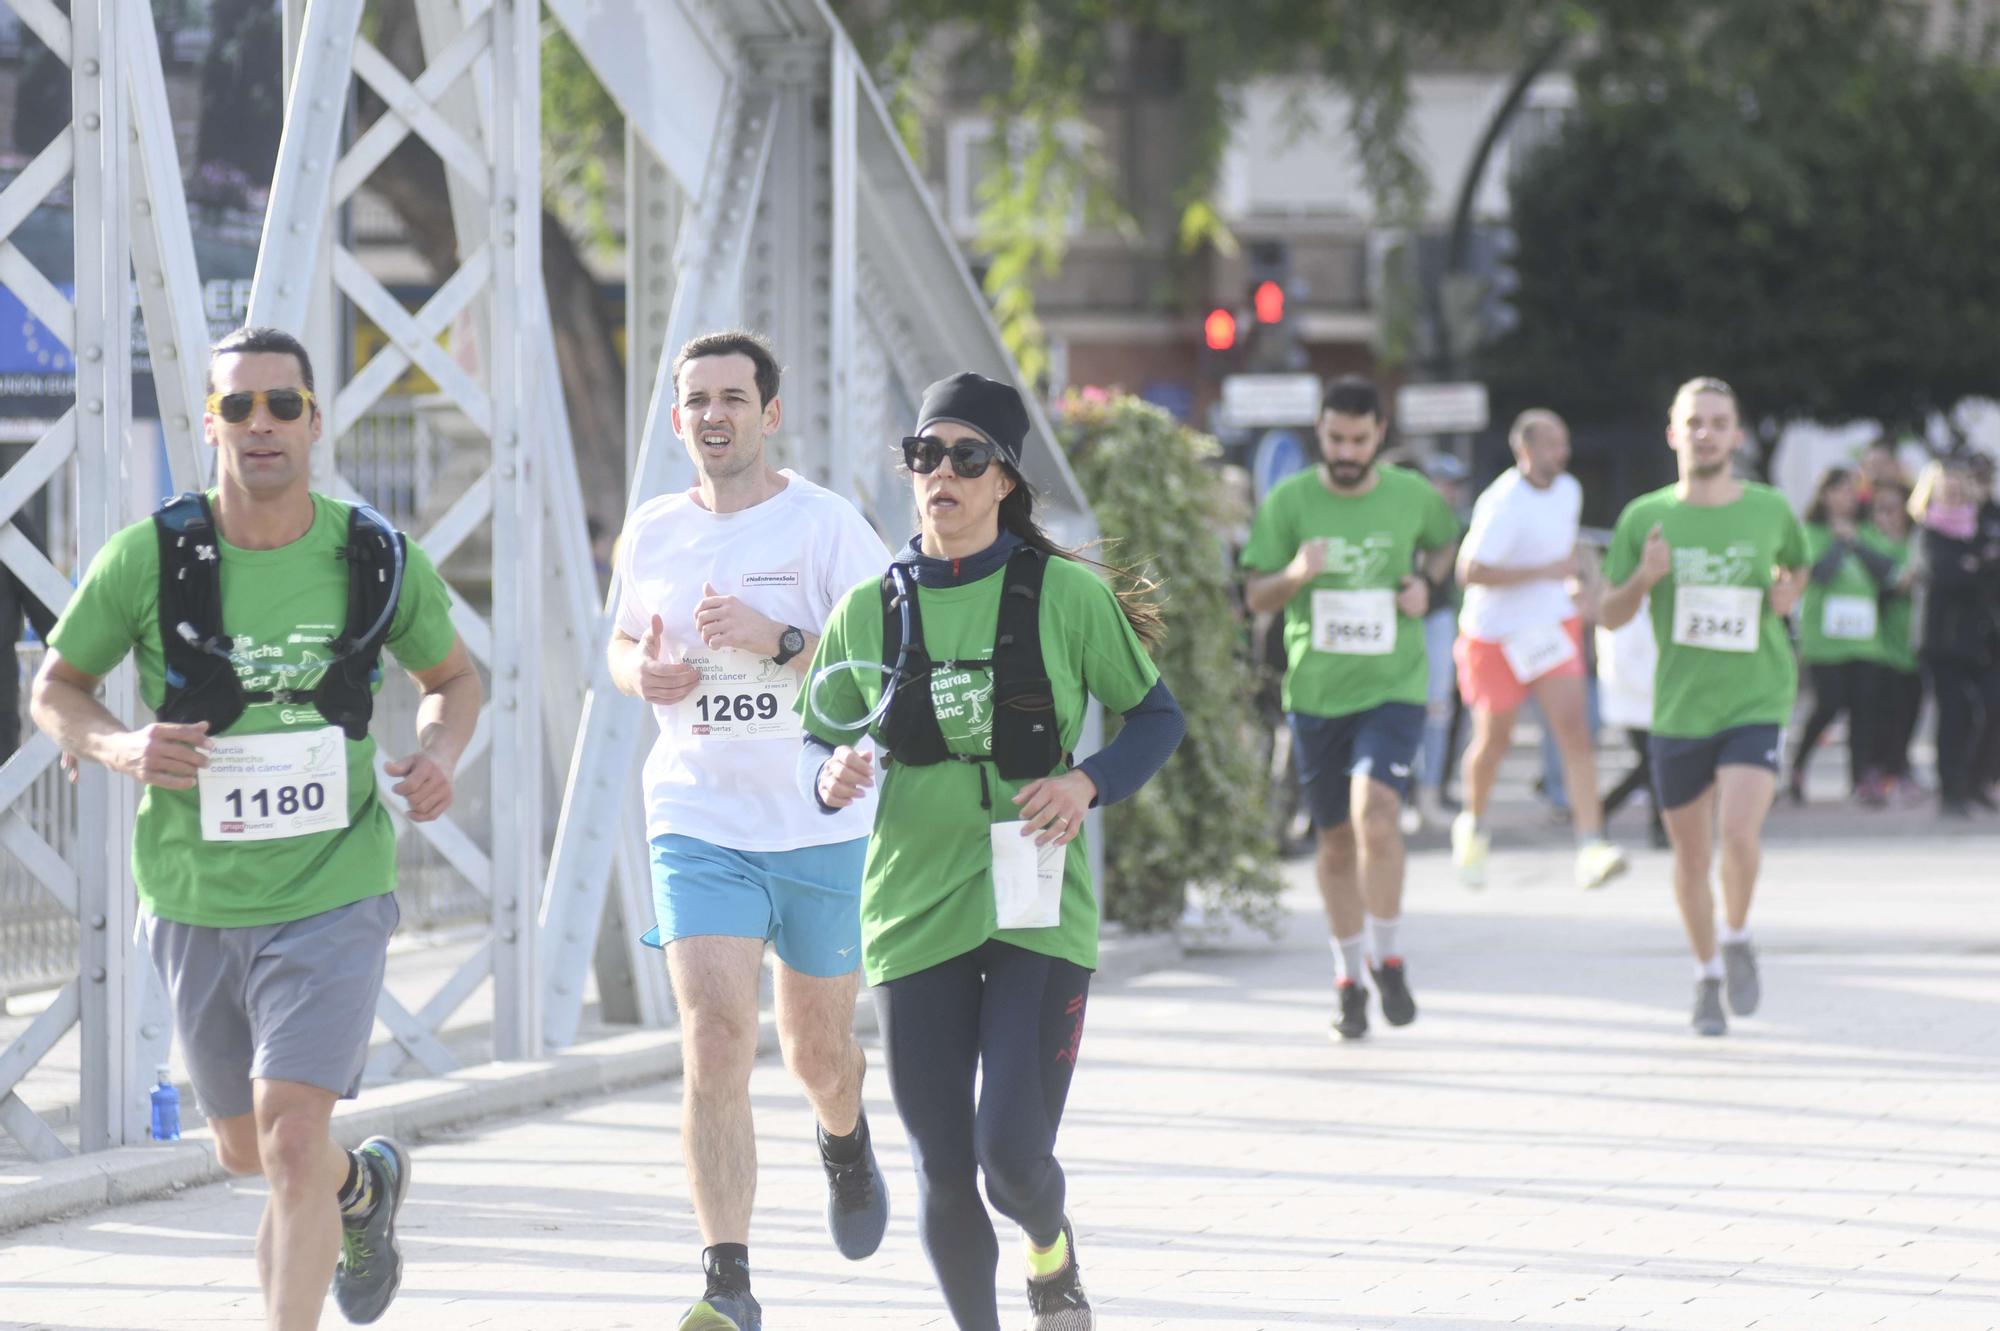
[{"x": 790, "y": 643}]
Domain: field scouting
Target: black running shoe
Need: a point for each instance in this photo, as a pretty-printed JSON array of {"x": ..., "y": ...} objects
[
  {"x": 1352, "y": 1023},
  {"x": 857, "y": 1201},
  {"x": 1398, "y": 1007},
  {"x": 371, "y": 1265},
  {"x": 1057, "y": 1301}
]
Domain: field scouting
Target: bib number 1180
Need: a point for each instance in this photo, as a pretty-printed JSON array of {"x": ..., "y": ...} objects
[
  {"x": 284, "y": 801},
  {"x": 737, "y": 706}
]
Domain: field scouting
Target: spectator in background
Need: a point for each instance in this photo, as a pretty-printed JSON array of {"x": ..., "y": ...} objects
[
  {"x": 1986, "y": 762},
  {"x": 1838, "y": 629},
  {"x": 1896, "y": 686},
  {"x": 1956, "y": 633},
  {"x": 1880, "y": 465}
]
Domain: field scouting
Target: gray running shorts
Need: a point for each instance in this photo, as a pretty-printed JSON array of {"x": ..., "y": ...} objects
[{"x": 284, "y": 1002}]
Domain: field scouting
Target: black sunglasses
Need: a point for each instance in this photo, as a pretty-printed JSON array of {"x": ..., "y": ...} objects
[
  {"x": 969, "y": 457},
  {"x": 285, "y": 404}
]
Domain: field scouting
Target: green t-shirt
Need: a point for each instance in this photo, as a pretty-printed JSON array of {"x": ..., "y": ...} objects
[
  {"x": 1894, "y": 630},
  {"x": 1347, "y": 647},
  {"x": 280, "y": 607},
  {"x": 1838, "y": 619},
  {"x": 1725, "y": 658},
  {"x": 927, "y": 894}
]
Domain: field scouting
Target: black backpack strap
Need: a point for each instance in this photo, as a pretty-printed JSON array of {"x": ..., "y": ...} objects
[
  {"x": 909, "y": 732},
  {"x": 1027, "y": 742},
  {"x": 201, "y": 682},
  {"x": 376, "y": 555}
]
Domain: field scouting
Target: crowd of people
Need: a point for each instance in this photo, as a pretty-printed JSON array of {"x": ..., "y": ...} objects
[{"x": 865, "y": 760}]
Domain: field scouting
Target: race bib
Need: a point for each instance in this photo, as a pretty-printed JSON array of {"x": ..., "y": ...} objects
[
  {"x": 267, "y": 787},
  {"x": 1532, "y": 653},
  {"x": 1849, "y": 618},
  {"x": 1027, "y": 879},
  {"x": 1354, "y": 623},
  {"x": 740, "y": 697},
  {"x": 1718, "y": 619}
]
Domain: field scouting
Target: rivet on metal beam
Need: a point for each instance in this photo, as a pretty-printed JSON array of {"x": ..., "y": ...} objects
[
  {"x": 90, "y": 68},
  {"x": 97, "y": 921},
  {"x": 90, "y": 121}
]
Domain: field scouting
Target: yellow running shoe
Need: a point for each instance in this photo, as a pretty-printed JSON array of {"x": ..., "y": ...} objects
[
  {"x": 1597, "y": 863},
  {"x": 1468, "y": 849}
]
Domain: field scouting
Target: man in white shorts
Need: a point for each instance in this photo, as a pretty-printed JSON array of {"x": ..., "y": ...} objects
[
  {"x": 724, "y": 590},
  {"x": 1520, "y": 636}
]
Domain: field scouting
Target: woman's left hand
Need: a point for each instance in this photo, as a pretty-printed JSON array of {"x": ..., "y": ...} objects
[{"x": 1054, "y": 807}]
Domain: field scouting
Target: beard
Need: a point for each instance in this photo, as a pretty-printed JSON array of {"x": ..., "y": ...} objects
[
  {"x": 1708, "y": 471},
  {"x": 1347, "y": 475}
]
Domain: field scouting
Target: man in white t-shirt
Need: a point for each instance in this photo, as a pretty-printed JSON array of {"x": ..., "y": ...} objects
[
  {"x": 1519, "y": 635},
  {"x": 723, "y": 591}
]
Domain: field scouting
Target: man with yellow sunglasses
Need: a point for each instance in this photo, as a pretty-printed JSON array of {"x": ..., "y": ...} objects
[{"x": 264, "y": 859}]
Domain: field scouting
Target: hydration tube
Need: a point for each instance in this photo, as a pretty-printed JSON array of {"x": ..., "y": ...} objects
[{"x": 905, "y": 591}]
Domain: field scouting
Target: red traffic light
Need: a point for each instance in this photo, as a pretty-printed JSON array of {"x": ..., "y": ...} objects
[
  {"x": 1219, "y": 328},
  {"x": 1269, "y": 300}
]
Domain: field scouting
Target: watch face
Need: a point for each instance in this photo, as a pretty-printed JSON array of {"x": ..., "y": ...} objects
[{"x": 792, "y": 640}]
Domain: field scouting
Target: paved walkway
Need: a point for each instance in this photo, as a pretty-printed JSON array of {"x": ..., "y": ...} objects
[{"x": 1546, "y": 1147}]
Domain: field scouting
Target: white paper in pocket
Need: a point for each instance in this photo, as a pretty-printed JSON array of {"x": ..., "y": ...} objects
[{"x": 1027, "y": 879}]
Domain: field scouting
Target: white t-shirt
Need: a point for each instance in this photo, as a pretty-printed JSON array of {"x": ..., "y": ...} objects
[
  {"x": 790, "y": 558},
  {"x": 1515, "y": 525},
  {"x": 1626, "y": 658}
]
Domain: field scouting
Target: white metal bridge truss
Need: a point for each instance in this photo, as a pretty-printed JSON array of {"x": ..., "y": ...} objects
[{"x": 766, "y": 187}]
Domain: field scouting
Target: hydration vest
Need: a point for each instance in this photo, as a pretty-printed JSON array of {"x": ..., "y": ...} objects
[
  {"x": 202, "y": 684},
  {"x": 1027, "y": 742}
]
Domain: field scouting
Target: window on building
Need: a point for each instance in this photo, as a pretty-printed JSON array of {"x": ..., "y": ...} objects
[{"x": 971, "y": 153}]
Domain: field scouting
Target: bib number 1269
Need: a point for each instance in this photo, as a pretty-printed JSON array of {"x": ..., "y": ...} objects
[{"x": 737, "y": 706}]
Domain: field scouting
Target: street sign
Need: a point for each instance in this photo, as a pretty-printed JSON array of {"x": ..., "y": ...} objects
[
  {"x": 1258, "y": 401},
  {"x": 1441, "y": 408}
]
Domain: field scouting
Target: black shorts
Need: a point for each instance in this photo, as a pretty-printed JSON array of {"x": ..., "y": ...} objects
[
  {"x": 1683, "y": 769},
  {"x": 1380, "y": 743}
]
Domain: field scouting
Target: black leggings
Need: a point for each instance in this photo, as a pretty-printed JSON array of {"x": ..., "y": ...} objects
[
  {"x": 1966, "y": 706},
  {"x": 1898, "y": 695},
  {"x": 1640, "y": 778},
  {"x": 1020, "y": 1014},
  {"x": 1837, "y": 688}
]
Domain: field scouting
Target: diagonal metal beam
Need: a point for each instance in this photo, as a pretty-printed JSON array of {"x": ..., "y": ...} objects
[
  {"x": 302, "y": 185},
  {"x": 34, "y": 468},
  {"x": 38, "y": 294},
  {"x": 37, "y": 1138},
  {"x": 414, "y": 336},
  {"x": 416, "y": 1039},
  {"x": 39, "y": 858},
  {"x": 49, "y": 1026},
  {"x": 163, "y": 262},
  {"x": 38, "y": 179},
  {"x": 410, "y": 110},
  {"x": 33, "y": 568},
  {"x": 449, "y": 998},
  {"x": 48, "y": 23}
]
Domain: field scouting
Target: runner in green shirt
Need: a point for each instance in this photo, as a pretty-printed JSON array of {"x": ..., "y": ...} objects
[
  {"x": 265, "y": 861},
  {"x": 1840, "y": 637},
  {"x": 979, "y": 923},
  {"x": 1336, "y": 548},
  {"x": 1724, "y": 562},
  {"x": 1898, "y": 680}
]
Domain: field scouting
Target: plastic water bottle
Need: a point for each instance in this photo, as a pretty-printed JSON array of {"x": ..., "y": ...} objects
[{"x": 166, "y": 1109}]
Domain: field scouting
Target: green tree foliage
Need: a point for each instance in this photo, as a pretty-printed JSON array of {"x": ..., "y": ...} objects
[
  {"x": 1792, "y": 195},
  {"x": 1200, "y": 826},
  {"x": 1037, "y": 63}
]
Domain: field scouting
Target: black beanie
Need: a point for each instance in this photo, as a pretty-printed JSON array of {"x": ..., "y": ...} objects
[{"x": 988, "y": 406}]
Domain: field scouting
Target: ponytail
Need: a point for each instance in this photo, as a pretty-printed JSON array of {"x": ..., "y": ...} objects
[{"x": 1135, "y": 595}]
